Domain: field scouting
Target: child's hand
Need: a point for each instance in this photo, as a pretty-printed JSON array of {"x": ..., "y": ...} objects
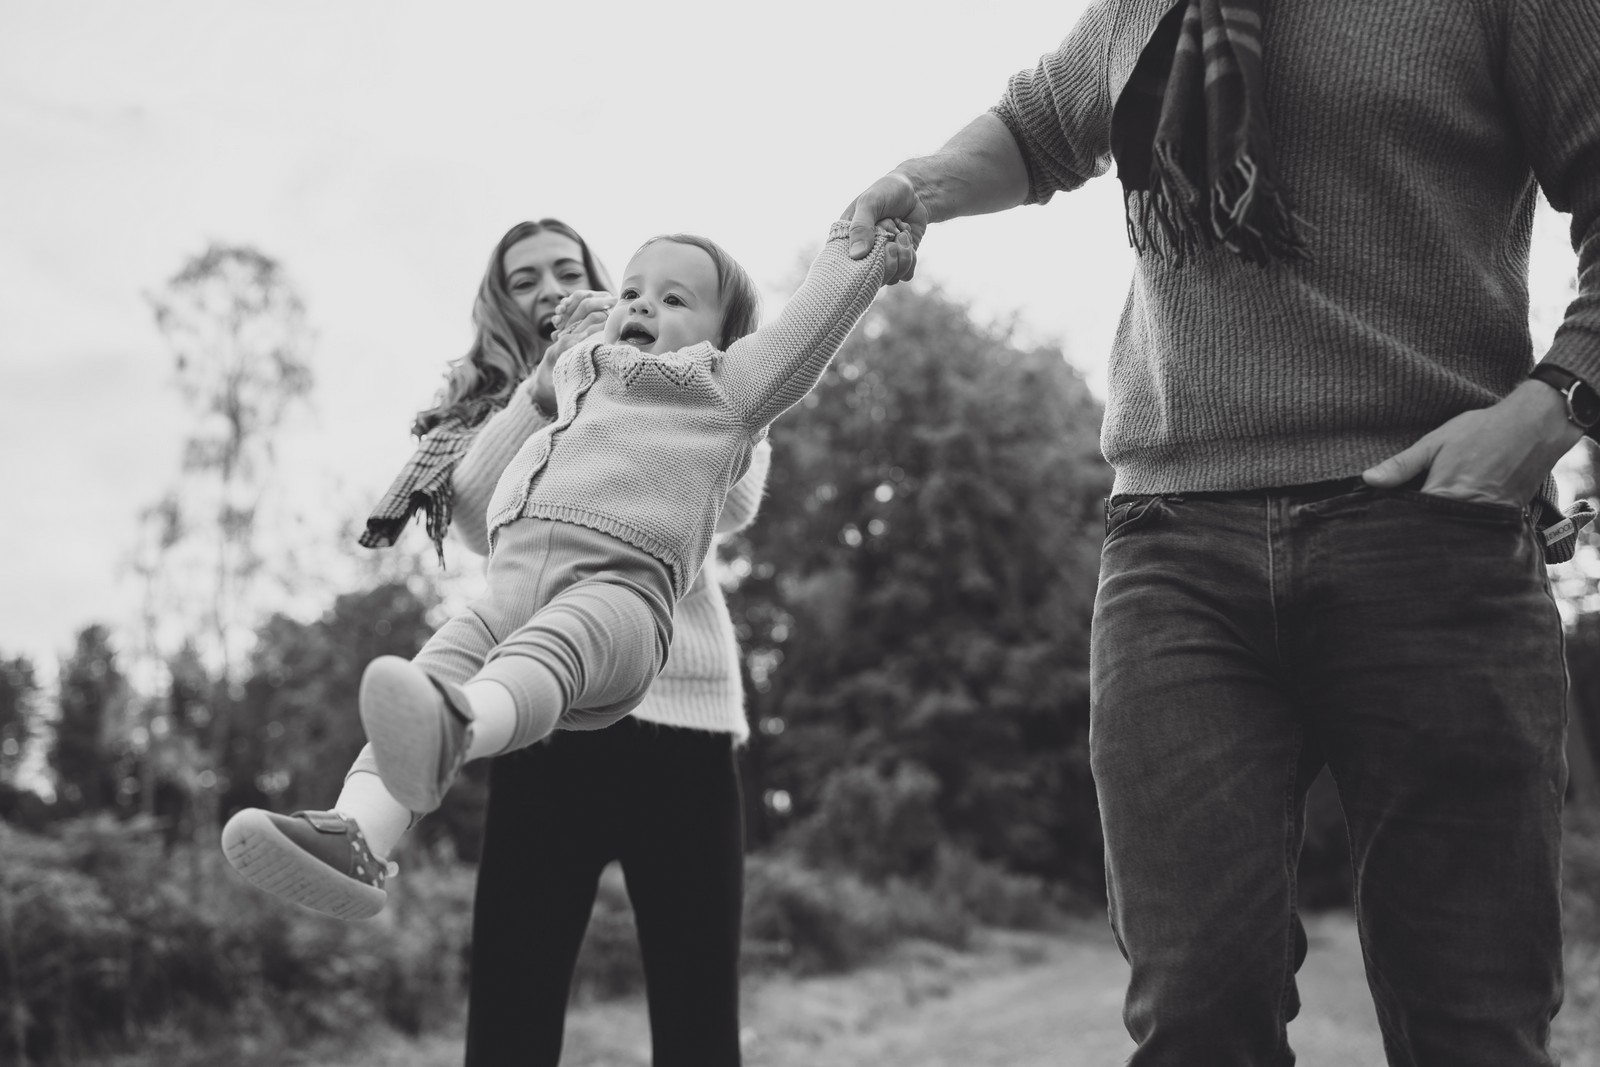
[
  {"x": 902, "y": 241},
  {"x": 581, "y": 312}
]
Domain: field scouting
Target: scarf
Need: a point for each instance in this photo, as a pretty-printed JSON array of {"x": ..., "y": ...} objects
[
  {"x": 1190, "y": 136},
  {"x": 423, "y": 484}
]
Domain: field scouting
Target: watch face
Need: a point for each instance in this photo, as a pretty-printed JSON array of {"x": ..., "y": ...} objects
[{"x": 1583, "y": 404}]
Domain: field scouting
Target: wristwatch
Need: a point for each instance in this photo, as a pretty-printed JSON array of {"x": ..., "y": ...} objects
[{"x": 1583, "y": 403}]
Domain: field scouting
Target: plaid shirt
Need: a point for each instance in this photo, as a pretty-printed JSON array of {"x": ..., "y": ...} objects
[{"x": 424, "y": 484}]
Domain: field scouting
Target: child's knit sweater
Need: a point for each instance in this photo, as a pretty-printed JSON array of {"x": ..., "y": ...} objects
[
  {"x": 1414, "y": 135},
  {"x": 645, "y": 447},
  {"x": 700, "y": 688}
]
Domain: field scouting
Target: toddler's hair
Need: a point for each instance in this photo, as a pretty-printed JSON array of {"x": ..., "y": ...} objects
[{"x": 741, "y": 302}]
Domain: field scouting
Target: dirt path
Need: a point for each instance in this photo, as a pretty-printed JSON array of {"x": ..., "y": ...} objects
[
  {"x": 1021, "y": 1001},
  {"x": 1016, "y": 1000}
]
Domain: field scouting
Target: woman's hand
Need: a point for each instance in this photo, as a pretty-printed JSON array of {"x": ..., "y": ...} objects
[{"x": 580, "y": 313}]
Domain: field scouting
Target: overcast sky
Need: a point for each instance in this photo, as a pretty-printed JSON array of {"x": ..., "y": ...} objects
[{"x": 379, "y": 150}]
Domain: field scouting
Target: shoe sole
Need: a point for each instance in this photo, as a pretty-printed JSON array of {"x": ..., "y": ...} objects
[
  {"x": 402, "y": 724},
  {"x": 269, "y": 860}
]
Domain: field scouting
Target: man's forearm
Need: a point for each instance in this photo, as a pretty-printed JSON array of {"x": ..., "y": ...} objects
[{"x": 978, "y": 171}]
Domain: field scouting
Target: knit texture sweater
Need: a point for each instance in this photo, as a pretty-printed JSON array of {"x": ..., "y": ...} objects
[
  {"x": 1414, "y": 135},
  {"x": 645, "y": 446},
  {"x": 700, "y": 688}
]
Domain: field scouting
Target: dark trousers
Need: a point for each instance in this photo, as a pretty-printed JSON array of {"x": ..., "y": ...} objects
[
  {"x": 1411, "y": 643},
  {"x": 665, "y": 803}
]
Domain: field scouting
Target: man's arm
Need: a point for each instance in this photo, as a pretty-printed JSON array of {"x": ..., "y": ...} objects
[
  {"x": 1505, "y": 452},
  {"x": 978, "y": 171},
  {"x": 1050, "y": 131}
]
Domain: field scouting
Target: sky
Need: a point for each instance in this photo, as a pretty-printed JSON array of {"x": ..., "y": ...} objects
[{"x": 379, "y": 150}]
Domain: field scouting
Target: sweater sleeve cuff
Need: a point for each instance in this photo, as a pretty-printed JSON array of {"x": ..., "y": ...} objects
[
  {"x": 1576, "y": 352},
  {"x": 1037, "y": 192}
]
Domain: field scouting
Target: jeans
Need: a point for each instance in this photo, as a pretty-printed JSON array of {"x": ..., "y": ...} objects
[{"x": 1408, "y": 641}]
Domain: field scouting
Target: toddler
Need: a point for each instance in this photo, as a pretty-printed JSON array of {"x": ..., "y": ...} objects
[{"x": 601, "y": 522}]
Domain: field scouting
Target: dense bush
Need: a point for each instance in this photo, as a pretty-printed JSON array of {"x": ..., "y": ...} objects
[
  {"x": 107, "y": 935},
  {"x": 812, "y": 921}
]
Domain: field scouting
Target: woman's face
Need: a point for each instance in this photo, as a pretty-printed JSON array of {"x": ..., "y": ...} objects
[{"x": 540, "y": 270}]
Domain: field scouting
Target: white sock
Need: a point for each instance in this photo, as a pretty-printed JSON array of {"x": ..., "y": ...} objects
[
  {"x": 382, "y": 818},
  {"x": 494, "y": 717}
]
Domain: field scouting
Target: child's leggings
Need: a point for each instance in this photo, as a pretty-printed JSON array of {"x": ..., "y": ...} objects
[{"x": 572, "y": 618}]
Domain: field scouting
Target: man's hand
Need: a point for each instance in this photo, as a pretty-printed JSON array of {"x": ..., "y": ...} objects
[
  {"x": 1500, "y": 454},
  {"x": 892, "y": 196}
]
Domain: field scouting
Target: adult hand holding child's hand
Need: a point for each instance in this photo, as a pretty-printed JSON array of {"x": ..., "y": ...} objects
[
  {"x": 580, "y": 313},
  {"x": 891, "y": 198}
]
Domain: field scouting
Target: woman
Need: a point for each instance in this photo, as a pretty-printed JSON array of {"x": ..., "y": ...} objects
[{"x": 554, "y": 810}]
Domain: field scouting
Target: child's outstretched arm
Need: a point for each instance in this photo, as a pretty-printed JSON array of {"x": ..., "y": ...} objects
[{"x": 771, "y": 370}]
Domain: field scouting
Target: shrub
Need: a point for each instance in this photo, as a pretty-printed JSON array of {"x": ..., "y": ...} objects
[
  {"x": 107, "y": 936},
  {"x": 813, "y": 920},
  {"x": 994, "y": 896},
  {"x": 876, "y": 823}
]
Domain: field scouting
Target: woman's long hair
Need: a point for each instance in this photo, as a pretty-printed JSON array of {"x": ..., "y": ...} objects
[{"x": 507, "y": 346}]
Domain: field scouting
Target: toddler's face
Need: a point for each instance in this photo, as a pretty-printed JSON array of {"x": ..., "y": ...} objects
[{"x": 668, "y": 299}]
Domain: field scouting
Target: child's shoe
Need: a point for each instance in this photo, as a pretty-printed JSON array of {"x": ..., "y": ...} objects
[
  {"x": 317, "y": 859},
  {"x": 419, "y": 729}
]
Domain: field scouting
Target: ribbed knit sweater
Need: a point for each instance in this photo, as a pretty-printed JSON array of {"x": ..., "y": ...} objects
[
  {"x": 700, "y": 688},
  {"x": 1412, "y": 134},
  {"x": 645, "y": 446}
]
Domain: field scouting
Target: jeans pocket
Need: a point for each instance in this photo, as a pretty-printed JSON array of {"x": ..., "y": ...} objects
[{"x": 1126, "y": 515}]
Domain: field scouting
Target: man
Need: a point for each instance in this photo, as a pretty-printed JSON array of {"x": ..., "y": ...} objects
[{"x": 1330, "y": 458}]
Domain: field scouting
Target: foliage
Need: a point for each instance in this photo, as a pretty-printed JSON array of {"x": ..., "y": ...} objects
[
  {"x": 814, "y": 921},
  {"x": 93, "y": 700},
  {"x": 238, "y": 335},
  {"x": 878, "y": 823},
  {"x": 108, "y": 935},
  {"x": 920, "y": 584},
  {"x": 18, "y": 690}
]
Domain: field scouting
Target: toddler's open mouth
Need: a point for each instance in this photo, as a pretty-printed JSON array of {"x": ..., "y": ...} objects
[{"x": 636, "y": 335}]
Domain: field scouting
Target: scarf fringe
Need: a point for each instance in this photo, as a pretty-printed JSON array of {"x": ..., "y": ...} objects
[{"x": 1245, "y": 213}]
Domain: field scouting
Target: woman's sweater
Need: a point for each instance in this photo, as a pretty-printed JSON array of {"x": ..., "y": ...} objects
[
  {"x": 646, "y": 446},
  {"x": 700, "y": 688},
  {"x": 1414, "y": 135}
]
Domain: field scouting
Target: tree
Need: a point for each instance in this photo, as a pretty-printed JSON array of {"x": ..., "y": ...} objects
[
  {"x": 93, "y": 699},
  {"x": 238, "y": 334},
  {"x": 919, "y": 586},
  {"x": 18, "y": 691}
]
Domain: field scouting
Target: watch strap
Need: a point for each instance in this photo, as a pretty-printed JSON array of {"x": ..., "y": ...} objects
[{"x": 1583, "y": 403}]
